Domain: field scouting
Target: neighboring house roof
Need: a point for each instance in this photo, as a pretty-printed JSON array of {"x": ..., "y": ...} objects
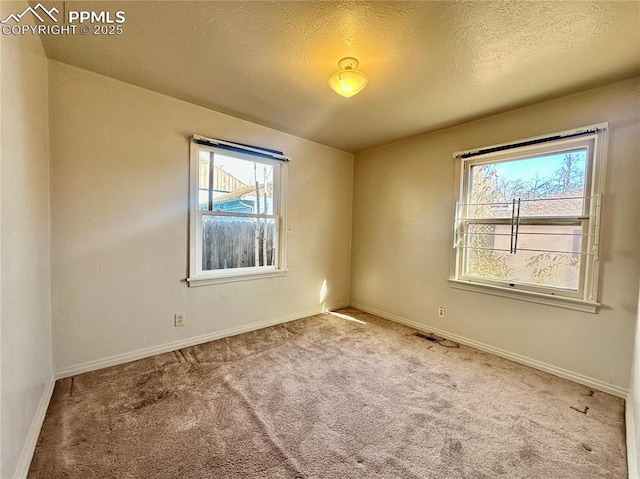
[
  {"x": 567, "y": 203},
  {"x": 246, "y": 192}
]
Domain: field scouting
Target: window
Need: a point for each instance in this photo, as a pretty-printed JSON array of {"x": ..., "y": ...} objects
[
  {"x": 237, "y": 212},
  {"x": 528, "y": 217}
]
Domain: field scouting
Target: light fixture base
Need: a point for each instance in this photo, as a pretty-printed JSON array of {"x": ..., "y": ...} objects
[{"x": 348, "y": 63}]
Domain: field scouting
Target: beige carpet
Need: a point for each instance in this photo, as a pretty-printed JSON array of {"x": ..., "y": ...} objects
[{"x": 330, "y": 396}]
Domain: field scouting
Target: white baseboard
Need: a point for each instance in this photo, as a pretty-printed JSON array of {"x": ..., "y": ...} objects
[
  {"x": 185, "y": 343},
  {"x": 563, "y": 373},
  {"x": 29, "y": 446},
  {"x": 632, "y": 439}
]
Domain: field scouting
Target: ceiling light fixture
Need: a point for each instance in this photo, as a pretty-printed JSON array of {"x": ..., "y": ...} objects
[{"x": 348, "y": 81}]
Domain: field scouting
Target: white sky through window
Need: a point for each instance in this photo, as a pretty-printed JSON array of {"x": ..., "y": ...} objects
[{"x": 243, "y": 170}]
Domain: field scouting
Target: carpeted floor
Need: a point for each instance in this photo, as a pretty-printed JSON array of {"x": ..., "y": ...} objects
[{"x": 345, "y": 395}]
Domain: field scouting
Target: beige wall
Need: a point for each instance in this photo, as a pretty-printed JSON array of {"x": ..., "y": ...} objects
[
  {"x": 25, "y": 329},
  {"x": 119, "y": 192},
  {"x": 633, "y": 407},
  {"x": 402, "y": 237}
]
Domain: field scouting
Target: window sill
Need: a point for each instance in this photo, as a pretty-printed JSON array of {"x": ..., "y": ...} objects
[
  {"x": 234, "y": 277},
  {"x": 530, "y": 296}
]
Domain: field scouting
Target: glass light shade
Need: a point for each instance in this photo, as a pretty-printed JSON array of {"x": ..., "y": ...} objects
[{"x": 348, "y": 82}]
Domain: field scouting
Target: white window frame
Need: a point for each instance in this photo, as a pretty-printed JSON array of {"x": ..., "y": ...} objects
[
  {"x": 585, "y": 299},
  {"x": 200, "y": 277}
]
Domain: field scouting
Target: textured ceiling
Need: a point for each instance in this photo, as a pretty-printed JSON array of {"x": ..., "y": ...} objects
[{"x": 430, "y": 64}]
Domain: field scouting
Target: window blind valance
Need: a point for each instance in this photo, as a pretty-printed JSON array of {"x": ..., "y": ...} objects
[
  {"x": 241, "y": 148},
  {"x": 587, "y": 130}
]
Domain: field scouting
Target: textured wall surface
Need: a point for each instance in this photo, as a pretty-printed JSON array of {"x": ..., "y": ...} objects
[
  {"x": 25, "y": 311},
  {"x": 402, "y": 237},
  {"x": 119, "y": 192},
  {"x": 430, "y": 64}
]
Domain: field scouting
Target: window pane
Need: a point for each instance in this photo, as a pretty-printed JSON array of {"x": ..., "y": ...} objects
[
  {"x": 488, "y": 236},
  {"x": 547, "y": 255},
  {"x": 236, "y": 242},
  {"x": 487, "y": 251},
  {"x": 543, "y": 183},
  {"x": 238, "y": 186}
]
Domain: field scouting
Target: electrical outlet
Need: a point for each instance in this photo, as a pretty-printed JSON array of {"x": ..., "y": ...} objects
[
  {"x": 441, "y": 312},
  {"x": 178, "y": 319}
]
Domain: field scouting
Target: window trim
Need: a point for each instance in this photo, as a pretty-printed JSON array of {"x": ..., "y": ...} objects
[
  {"x": 199, "y": 277},
  {"x": 594, "y": 137},
  {"x": 525, "y": 295}
]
